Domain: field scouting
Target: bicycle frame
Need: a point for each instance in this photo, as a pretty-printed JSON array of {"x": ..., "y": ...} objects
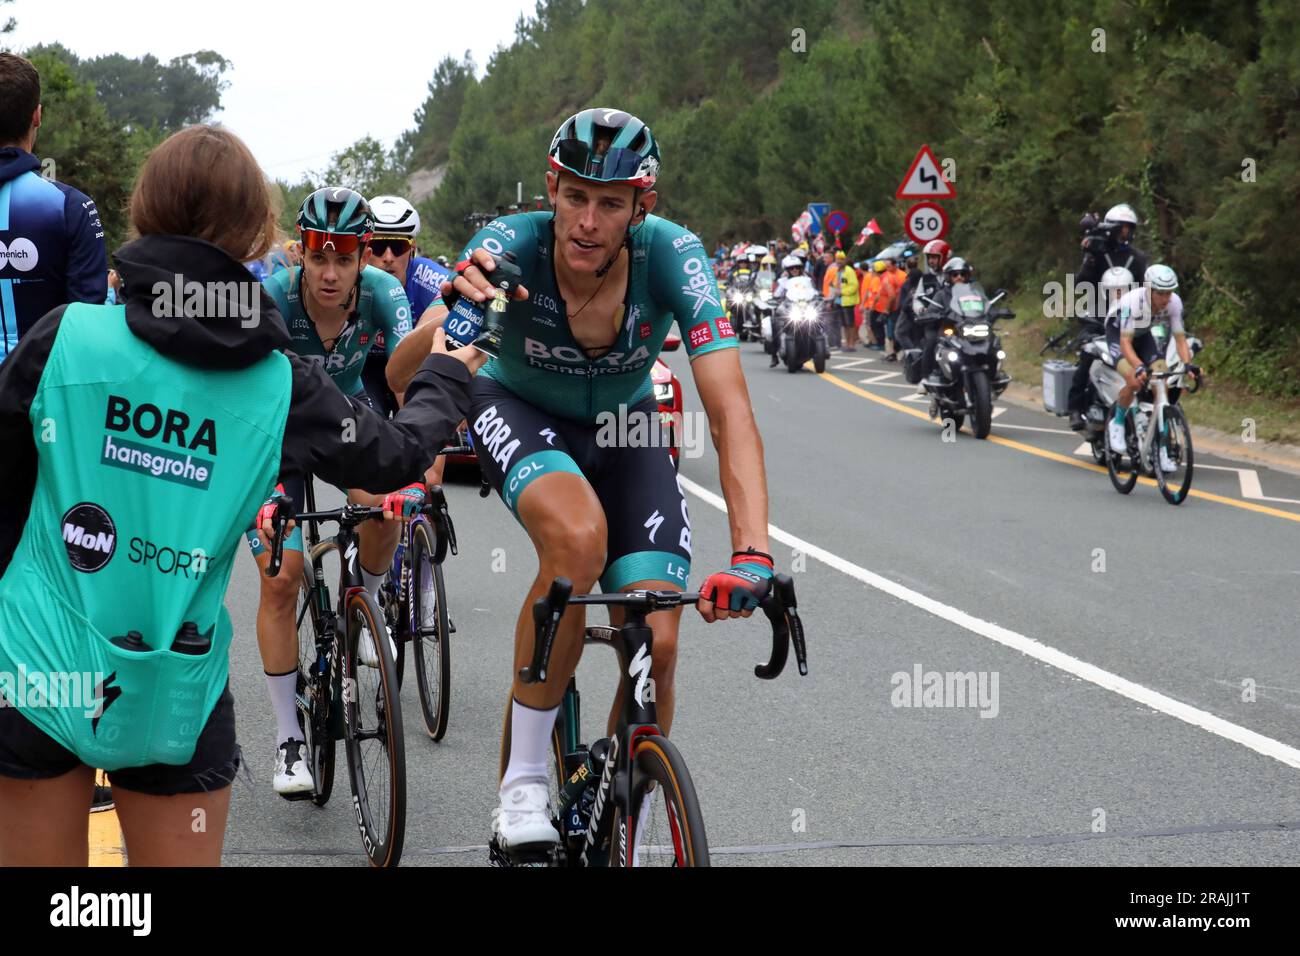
[{"x": 633, "y": 643}]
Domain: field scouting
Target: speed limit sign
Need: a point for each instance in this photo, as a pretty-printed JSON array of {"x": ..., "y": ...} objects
[{"x": 926, "y": 221}]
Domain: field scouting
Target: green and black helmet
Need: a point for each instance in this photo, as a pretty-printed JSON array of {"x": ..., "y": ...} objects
[
  {"x": 336, "y": 210},
  {"x": 606, "y": 146}
]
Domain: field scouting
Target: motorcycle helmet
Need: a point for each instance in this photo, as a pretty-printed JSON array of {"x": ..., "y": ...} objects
[
  {"x": 1122, "y": 213},
  {"x": 792, "y": 262},
  {"x": 1161, "y": 278},
  {"x": 606, "y": 146},
  {"x": 756, "y": 251},
  {"x": 937, "y": 247},
  {"x": 956, "y": 268}
]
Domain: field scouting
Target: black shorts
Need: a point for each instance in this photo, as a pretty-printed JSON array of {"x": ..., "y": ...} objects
[
  {"x": 629, "y": 468},
  {"x": 1148, "y": 350},
  {"x": 28, "y": 753},
  {"x": 374, "y": 378}
]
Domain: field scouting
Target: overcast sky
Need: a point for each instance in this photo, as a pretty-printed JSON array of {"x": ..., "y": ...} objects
[{"x": 309, "y": 77}]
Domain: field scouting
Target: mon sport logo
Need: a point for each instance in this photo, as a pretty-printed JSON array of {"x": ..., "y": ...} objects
[
  {"x": 89, "y": 536},
  {"x": 171, "y": 427}
]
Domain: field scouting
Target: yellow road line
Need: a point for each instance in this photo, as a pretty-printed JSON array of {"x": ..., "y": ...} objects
[
  {"x": 106, "y": 847},
  {"x": 1055, "y": 456}
]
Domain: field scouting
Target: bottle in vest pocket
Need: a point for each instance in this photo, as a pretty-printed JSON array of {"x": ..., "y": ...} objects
[
  {"x": 189, "y": 641},
  {"x": 480, "y": 323}
]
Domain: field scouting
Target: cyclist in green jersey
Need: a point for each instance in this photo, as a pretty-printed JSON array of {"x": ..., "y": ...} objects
[
  {"x": 604, "y": 279},
  {"x": 333, "y": 305}
]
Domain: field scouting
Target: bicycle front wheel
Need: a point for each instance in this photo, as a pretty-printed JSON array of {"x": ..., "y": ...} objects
[
  {"x": 313, "y": 697},
  {"x": 1174, "y": 450},
  {"x": 373, "y": 735},
  {"x": 429, "y": 632},
  {"x": 666, "y": 812}
]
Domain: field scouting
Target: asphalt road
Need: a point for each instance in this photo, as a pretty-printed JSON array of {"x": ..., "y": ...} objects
[{"x": 1120, "y": 641}]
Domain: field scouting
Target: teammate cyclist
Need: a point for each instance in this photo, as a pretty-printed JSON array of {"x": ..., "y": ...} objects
[
  {"x": 333, "y": 305},
  {"x": 604, "y": 280}
]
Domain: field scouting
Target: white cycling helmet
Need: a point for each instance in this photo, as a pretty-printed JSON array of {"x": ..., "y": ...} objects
[
  {"x": 792, "y": 262},
  {"x": 1116, "y": 280},
  {"x": 394, "y": 216},
  {"x": 1122, "y": 213},
  {"x": 1161, "y": 278}
]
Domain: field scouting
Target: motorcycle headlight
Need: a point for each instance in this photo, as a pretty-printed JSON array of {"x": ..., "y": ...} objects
[
  {"x": 977, "y": 331},
  {"x": 664, "y": 393},
  {"x": 1001, "y": 355},
  {"x": 737, "y": 297},
  {"x": 953, "y": 356},
  {"x": 749, "y": 297}
]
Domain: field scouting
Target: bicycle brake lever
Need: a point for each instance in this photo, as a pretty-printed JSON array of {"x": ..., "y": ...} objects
[{"x": 547, "y": 612}]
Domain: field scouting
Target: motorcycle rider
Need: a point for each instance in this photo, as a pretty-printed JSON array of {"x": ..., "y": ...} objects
[
  {"x": 956, "y": 270},
  {"x": 905, "y": 331},
  {"x": 1134, "y": 348},
  {"x": 791, "y": 268},
  {"x": 1106, "y": 244}
]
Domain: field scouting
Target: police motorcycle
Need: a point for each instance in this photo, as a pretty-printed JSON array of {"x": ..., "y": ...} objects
[
  {"x": 968, "y": 354},
  {"x": 799, "y": 331},
  {"x": 740, "y": 300}
]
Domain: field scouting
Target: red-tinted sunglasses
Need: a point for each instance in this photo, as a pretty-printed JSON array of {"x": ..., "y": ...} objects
[{"x": 343, "y": 243}]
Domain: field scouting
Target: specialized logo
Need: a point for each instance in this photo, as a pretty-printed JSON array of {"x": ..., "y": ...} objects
[
  {"x": 548, "y": 435},
  {"x": 653, "y": 523},
  {"x": 20, "y": 253},
  {"x": 699, "y": 285},
  {"x": 700, "y": 335},
  {"x": 89, "y": 536},
  {"x": 725, "y": 331},
  {"x": 171, "y": 427},
  {"x": 107, "y": 694},
  {"x": 639, "y": 670}
]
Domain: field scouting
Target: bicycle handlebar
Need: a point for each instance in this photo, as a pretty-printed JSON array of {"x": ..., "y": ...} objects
[
  {"x": 350, "y": 515},
  {"x": 779, "y": 605}
]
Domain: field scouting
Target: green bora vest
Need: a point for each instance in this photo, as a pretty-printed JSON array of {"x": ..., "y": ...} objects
[{"x": 148, "y": 473}]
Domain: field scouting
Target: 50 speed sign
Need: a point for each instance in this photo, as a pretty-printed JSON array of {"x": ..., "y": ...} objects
[{"x": 926, "y": 221}]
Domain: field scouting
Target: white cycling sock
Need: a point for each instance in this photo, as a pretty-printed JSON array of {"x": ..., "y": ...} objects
[
  {"x": 530, "y": 738},
  {"x": 647, "y": 806},
  {"x": 373, "y": 581},
  {"x": 284, "y": 690}
]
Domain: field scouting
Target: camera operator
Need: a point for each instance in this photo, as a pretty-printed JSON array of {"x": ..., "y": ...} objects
[{"x": 1107, "y": 243}]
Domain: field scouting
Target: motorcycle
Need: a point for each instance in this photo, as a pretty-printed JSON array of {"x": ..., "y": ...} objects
[
  {"x": 969, "y": 356},
  {"x": 740, "y": 305},
  {"x": 761, "y": 306},
  {"x": 799, "y": 332}
]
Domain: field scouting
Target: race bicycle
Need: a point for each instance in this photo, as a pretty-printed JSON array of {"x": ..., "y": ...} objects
[
  {"x": 1156, "y": 424},
  {"x": 601, "y": 790},
  {"x": 338, "y": 698}
]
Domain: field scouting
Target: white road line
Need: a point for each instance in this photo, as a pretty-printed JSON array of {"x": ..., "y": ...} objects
[
  {"x": 1026, "y": 645},
  {"x": 1035, "y": 428},
  {"x": 1250, "y": 486}
]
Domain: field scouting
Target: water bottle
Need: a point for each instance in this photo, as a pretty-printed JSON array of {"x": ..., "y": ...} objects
[
  {"x": 131, "y": 641},
  {"x": 190, "y": 641},
  {"x": 480, "y": 323}
]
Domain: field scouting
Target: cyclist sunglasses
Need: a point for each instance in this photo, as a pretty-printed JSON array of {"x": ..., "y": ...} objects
[
  {"x": 341, "y": 242},
  {"x": 399, "y": 245}
]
